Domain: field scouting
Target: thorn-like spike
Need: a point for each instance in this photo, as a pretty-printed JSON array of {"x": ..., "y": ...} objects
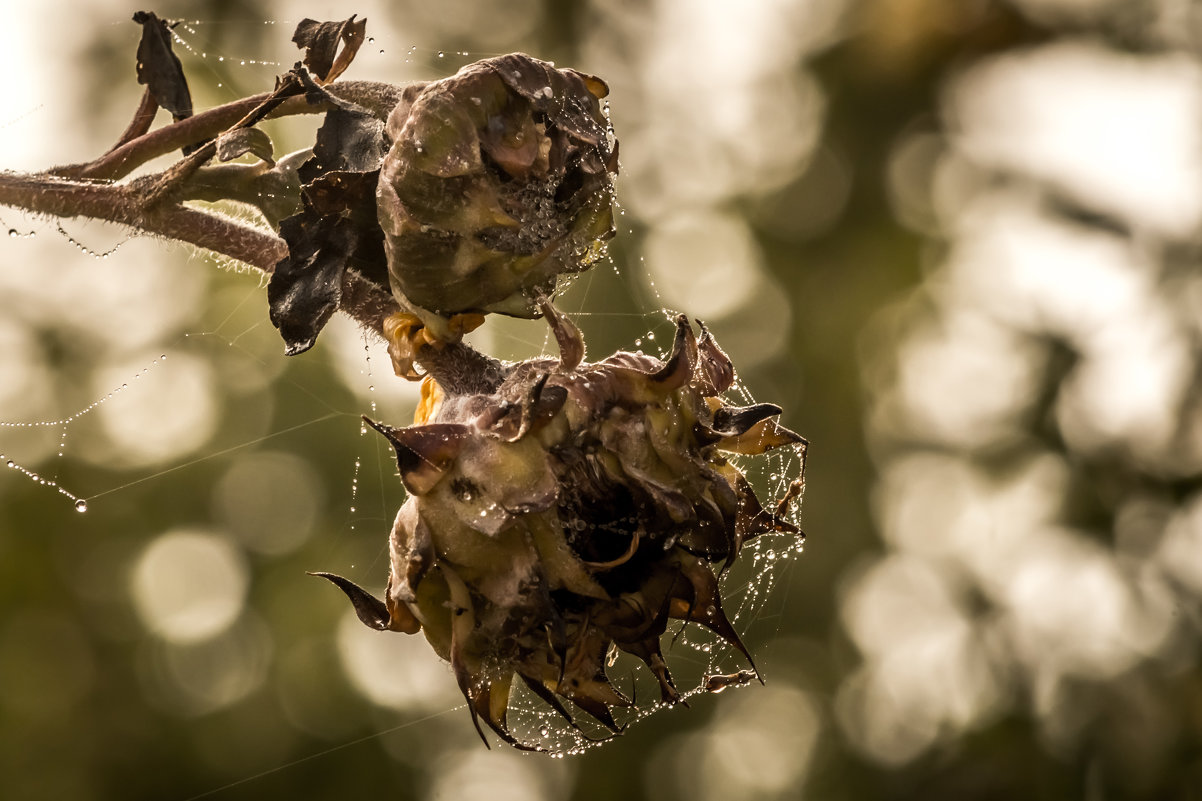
[
  {"x": 567, "y": 336},
  {"x": 753, "y": 519},
  {"x": 598, "y": 710},
  {"x": 659, "y": 667},
  {"x": 472, "y": 686},
  {"x": 649, "y": 651},
  {"x": 546, "y": 405},
  {"x": 716, "y": 372},
  {"x": 677, "y": 371},
  {"x": 730, "y": 421},
  {"x": 370, "y": 609},
  {"x": 705, "y": 606},
  {"x": 540, "y": 405},
  {"x": 548, "y": 697},
  {"x": 761, "y": 437},
  {"x": 424, "y": 453}
]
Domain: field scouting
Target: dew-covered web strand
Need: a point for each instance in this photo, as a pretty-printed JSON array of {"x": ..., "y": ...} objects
[
  {"x": 53, "y": 480},
  {"x": 326, "y": 752},
  {"x": 191, "y": 37},
  {"x": 87, "y": 250},
  {"x": 384, "y": 469},
  {"x": 81, "y": 503}
]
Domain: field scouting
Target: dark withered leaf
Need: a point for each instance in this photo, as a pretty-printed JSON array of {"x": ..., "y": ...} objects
[
  {"x": 334, "y": 232},
  {"x": 305, "y": 287},
  {"x": 240, "y": 141},
  {"x": 337, "y": 229},
  {"x": 350, "y": 139},
  {"x": 320, "y": 41},
  {"x": 158, "y": 67}
]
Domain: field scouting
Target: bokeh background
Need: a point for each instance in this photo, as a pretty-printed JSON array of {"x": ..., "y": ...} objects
[{"x": 957, "y": 240}]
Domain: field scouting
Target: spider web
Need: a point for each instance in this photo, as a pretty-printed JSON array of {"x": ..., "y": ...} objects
[{"x": 613, "y": 304}]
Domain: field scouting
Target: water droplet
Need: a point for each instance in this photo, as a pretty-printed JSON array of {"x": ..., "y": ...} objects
[
  {"x": 371, "y": 40},
  {"x": 13, "y": 232},
  {"x": 11, "y": 463},
  {"x": 441, "y": 54},
  {"x": 544, "y": 730},
  {"x": 81, "y": 505}
]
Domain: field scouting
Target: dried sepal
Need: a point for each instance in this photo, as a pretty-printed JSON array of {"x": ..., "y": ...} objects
[
  {"x": 371, "y": 611},
  {"x": 575, "y": 508}
]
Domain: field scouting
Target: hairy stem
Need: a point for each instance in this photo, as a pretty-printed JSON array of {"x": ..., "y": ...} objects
[
  {"x": 365, "y": 302},
  {"x": 123, "y": 204},
  {"x": 460, "y": 369}
]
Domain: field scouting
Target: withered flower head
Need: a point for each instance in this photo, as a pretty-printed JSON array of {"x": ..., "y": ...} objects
[
  {"x": 499, "y": 180},
  {"x": 573, "y": 508}
]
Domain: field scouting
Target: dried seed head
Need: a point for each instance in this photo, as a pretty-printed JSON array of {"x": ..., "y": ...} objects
[
  {"x": 579, "y": 507},
  {"x": 498, "y": 181}
]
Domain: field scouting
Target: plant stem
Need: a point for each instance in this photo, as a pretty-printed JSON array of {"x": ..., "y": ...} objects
[
  {"x": 123, "y": 204},
  {"x": 140, "y": 124},
  {"x": 124, "y": 159}
]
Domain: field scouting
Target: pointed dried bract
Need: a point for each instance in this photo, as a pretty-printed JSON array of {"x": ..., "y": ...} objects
[{"x": 577, "y": 508}]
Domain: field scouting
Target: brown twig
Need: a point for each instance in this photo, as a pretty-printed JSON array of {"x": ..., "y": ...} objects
[
  {"x": 148, "y": 204},
  {"x": 170, "y": 181},
  {"x": 140, "y": 124},
  {"x": 123, "y": 160},
  {"x": 123, "y": 204},
  {"x": 365, "y": 302}
]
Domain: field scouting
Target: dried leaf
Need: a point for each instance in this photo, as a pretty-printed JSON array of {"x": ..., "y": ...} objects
[
  {"x": 336, "y": 229},
  {"x": 305, "y": 288},
  {"x": 158, "y": 67},
  {"x": 320, "y": 41},
  {"x": 350, "y": 139},
  {"x": 240, "y": 141}
]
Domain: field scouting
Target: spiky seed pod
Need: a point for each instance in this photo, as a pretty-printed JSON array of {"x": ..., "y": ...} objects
[
  {"x": 576, "y": 507},
  {"x": 499, "y": 179}
]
